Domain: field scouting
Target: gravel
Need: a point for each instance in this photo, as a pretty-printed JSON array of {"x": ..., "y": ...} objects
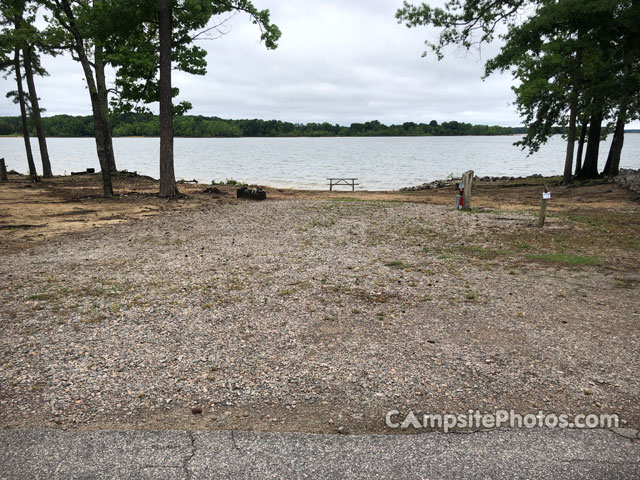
[{"x": 308, "y": 316}]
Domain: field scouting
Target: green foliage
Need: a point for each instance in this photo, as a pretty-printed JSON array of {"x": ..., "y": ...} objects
[
  {"x": 17, "y": 19},
  {"x": 580, "y": 56},
  {"x": 128, "y": 30},
  {"x": 147, "y": 125},
  {"x": 462, "y": 22}
]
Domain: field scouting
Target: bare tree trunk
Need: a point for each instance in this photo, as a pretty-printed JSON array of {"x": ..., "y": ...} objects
[
  {"x": 35, "y": 112},
  {"x": 103, "y": 101},
  {"x": 590, "y": 166},
  {"x": 33, "y": 174},
  {"x": 612, "y": 167},
  {"x": 168, "y": 187},
  {"x": 571, "y": 136},
  {"x": 583, "y": 134},
  {"x": 99, "y": 126}
]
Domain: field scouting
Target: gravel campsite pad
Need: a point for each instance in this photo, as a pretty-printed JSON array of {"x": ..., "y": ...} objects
[{"x": 315, "y": 316}]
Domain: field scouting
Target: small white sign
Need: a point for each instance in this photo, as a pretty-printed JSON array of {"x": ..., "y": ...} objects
[{"x": 546, "y": 195}]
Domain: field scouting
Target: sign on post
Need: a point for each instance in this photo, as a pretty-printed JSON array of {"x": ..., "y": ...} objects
[{"x": 546, "y": 195}]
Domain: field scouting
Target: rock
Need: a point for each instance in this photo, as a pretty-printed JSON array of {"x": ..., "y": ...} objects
[
  {"x": 629, "y": 178},
  {"x": 196, "y": 410}
]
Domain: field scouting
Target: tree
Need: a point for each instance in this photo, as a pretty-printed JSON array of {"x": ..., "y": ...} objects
[
  {"x": 590, "y": 165},
  {"x": 17, "y": 17},
  {"x": 77, "y": 35},
  {"x": 33, "y": 175},
  {"x": 30, "y": 38},
  {"x": 11, "y": 40},
  {"x": 626, "y": 32},
  {"x": 546, "y": 54},
  {"x": 583, "y": 135},
  {"x": 168, "y": 187},
  {"x": 146, "y": 37},
  {"x": 466, "y": 23},
  {"x": 564, "y": 53}
]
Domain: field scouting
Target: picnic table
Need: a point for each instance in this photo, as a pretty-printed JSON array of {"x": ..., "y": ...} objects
[{"x": 343, "y": 181}]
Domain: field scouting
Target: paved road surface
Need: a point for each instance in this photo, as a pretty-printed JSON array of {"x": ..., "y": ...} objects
[{"x": 537, "y": 454}]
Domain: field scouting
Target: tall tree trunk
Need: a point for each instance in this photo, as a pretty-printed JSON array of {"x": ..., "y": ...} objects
[
  {"x": 35, "y": 112},
  {"x": 103, "y": 101},
  {"x": 33, "y": 175},
  {"x": 583, "y": 134},
  {"x": 99, "y": 126},
  {"x": 612, "y": 167},
  {"x": 168, "y": 187},
  {"x": 590, "y": 166},
  {"x": 571, "y": 136}
]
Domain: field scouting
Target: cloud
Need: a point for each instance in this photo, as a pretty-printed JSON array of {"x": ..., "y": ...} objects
[{"x": 340, "y": 62}]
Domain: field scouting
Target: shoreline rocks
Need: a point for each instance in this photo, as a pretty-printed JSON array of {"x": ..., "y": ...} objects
[
  {"x": 448, "y": 182},
  {"x": 629, "y": 178}
]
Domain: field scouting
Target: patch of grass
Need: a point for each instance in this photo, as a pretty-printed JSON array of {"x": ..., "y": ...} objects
[
  {"x": 347, "y": 199},
  {"x": 564, "y": 258},
  {"x": 625, "y": 283},
  {"x": 323, "y": 223},
  {"x": 40, "y": 296},
  {"x": 481, "y": 252},
  {"x": 605, "y": 222},
  {"x": 235, "y": 284},
  {"x": 398, "y": 265},
  {"x": 286, "y": 291}
]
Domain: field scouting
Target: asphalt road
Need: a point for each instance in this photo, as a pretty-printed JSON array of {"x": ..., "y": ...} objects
[{"x": 531, "y": 454}]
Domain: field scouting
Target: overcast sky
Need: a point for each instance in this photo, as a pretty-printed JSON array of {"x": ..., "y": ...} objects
[{"x": 337, "y": 61}]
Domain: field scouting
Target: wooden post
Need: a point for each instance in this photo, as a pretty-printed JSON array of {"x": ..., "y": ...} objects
[
  {"x": 543, "y": 208},
  {"x": 3, "y": 171},
  {"x": 467, "y": 181}
]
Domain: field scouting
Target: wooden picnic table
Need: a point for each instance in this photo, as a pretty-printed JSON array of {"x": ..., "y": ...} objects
[{"x": 343, "y": 181}]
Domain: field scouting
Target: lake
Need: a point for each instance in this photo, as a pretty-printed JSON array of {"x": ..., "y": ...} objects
[{"x": 380, "y": 163}]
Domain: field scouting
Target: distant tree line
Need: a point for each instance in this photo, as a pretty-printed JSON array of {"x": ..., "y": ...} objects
[{"x": 148, "y": 125}]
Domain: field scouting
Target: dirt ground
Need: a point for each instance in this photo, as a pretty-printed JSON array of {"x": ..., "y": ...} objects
[
  {"x": 34, "y": 212},
  {"x": 313, "y": 311}
]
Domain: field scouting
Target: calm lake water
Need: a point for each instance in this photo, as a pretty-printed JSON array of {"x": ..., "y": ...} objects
[{"x": 380, "y": 163}]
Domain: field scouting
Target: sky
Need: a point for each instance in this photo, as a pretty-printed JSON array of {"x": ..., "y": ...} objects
[{"x": 337, "y": 61}]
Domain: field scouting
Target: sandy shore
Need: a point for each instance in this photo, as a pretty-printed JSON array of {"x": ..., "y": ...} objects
[{"x": 313, "y": 312}]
